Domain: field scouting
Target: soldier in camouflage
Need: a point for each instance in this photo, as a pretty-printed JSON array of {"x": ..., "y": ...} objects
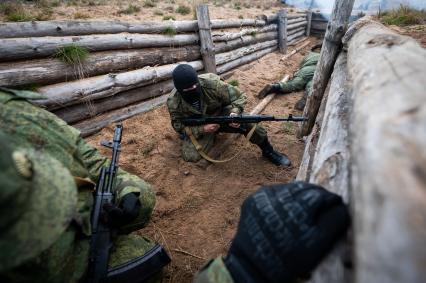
[
  {"x": 284, "y": 232},
  {"x": 207, "y": 94},
  {"x": 47, "y": 177},
  {"x": 302, "y": 79}
]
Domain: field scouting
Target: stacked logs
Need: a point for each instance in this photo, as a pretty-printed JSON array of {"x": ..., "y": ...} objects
[{"x": 128, "y": 65}]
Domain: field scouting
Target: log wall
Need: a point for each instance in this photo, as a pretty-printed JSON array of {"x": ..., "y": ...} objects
[{"x": 129, "y": 65}]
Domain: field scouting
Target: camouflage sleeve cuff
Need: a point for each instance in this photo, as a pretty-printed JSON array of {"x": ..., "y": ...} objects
[
  {"x": 197, "y": 131},
  {"x": 214, "y": 271}
]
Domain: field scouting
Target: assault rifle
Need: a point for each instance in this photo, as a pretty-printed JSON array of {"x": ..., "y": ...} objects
[
  {"x": 136, "y": 270},
  {"x": 239, "y": 119}
]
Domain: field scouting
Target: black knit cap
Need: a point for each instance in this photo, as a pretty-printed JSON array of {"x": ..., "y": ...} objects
[{"x": 184, "y": 76}]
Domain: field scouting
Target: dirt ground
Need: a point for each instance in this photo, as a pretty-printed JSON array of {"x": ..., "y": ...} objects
[{"x": 197, "y": 209}]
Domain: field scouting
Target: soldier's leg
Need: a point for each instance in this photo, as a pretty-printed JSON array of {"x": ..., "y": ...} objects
[
  {"x": 190, "y": 153},
  {"x": 300, "y": 104}
]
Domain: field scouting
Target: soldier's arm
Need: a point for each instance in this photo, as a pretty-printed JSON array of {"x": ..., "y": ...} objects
[
  {"x": 125, "y": 182},
  {"x": 176, "y": 116},
  {"x": 234, "y": 99}
]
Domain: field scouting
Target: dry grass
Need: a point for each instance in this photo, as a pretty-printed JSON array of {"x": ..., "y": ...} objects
[{"x": 403, "y": 16}]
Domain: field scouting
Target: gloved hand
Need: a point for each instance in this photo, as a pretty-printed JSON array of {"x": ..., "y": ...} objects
[
  {"x": 127, "y": 210},
  {"x": 269, "y": 88},
  {"x": 284, "y": 232}
]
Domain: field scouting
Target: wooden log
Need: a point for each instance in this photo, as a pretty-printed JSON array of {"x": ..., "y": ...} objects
[
  {"x": 223, "y": 58},
  {"x": 265, "y": 101},
  {"x": 331, "y": 164},
  {"x": 244, "y": 41},
  {"x": 294, "y": 51},
  {"x": 37, "y": 47},
  {"x": 296, "y": 35},
  {"x": 300, "y": 24},
  {"x": 236, "y": 23},
  {"x": 296, "y": 30},
  {"x": 64, "y": 94},
  {"x": 296, "y": 20},
  {"x": 89, "y": 127},
  {"x": 297, "y": 41},
  {"x": 388, "y": 154},
  {"x": 49, "y": 71},
  {"x": 330, "y": 49},
  {"x": 66, "y": 28},
  {"x": 282, "y": 31},
  {"x": 308, "y": 25},
  {"x": 227, "y": 36},
  {"x": 78, "y": 112},
  {"x": 244, "y": 60},
  {"x": 273, "y": 18},
  {"x": 206, "y": 41}
]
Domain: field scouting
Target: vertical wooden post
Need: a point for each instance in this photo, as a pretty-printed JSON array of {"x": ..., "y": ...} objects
[
  {"x": 282, "y": 31},
  {"x": 206, "y": 40},
  {"x": 309, "y": 20},
  {"x": 336, "y": 28}
]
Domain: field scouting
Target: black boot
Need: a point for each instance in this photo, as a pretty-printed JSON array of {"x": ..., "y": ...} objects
[{"x": 273, "y": 155}]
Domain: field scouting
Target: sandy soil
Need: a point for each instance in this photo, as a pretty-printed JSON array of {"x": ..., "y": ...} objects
[
  {"x": 150, "y": 10},
  {"x": 197, "y": 210}
]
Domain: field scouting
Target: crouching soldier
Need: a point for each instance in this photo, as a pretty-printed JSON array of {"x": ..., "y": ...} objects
[
  {"x": 47, "y": 176},
  {"x": 206, "y": 95}
]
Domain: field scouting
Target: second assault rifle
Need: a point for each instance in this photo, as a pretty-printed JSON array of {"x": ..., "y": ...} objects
[
  {"x": 136, "y": 270},
  {"x": 239, "y": 119}
]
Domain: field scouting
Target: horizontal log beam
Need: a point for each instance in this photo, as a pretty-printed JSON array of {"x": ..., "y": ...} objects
[
  {"x": 64, "y": 94},
  {"x": 236, "y": 23},
  {"x": 227, "y": 36},
  {"x": 66, "y": 28},
  {"x": 296, "y": 25},
  {"x": 296, "y": 30},
  {"x": 38, "y": 47},
  {"x": 296, "y": 35},
  {"x": 89, "y": 127},
  {"x": 244, "y": 41},
  {"x": 244, "y": 60},
  {"x": 75, "y": 113},
  {"x": 226, "y": 57},
  {"x": 49, "y": 71}
]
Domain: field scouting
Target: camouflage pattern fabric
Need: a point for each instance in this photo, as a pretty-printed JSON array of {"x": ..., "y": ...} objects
[
  {"x": 214, "y": 271},
  {"x": 219, "y": 98},
  {"x": 66, "y": 259},
  {"x": 302, "y": 78}
]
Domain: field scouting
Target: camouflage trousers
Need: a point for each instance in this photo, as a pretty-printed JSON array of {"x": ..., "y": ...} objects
[{"x": 190, "y": 153}]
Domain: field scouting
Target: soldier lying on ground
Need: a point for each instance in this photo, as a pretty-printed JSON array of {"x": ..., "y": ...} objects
[
  {"x": 46, "y": 178},
  {"x": 302, "y": 79},
  {"x": 283, "y": 233},
  {"x": 196, "y": 96}
]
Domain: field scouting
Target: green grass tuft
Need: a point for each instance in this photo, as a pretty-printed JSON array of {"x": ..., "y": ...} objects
[
  {"x": 253, "y": 33},
  {"x": 149, "y": 4},
  {"x": 131, "y": 9},
  {"x": 166, "y": 18},
  {"x": 72, "y": 54},
  {"x": 169, "y": 31},
  {"x": 234, "y": 83},
  {"x": 183, "y": 10},
  {"x": 158, "y": 13},
  {"x": 237, "y": 6},
  {"x": 403, "y": 16},
  {"x": 15, "y": 12}
]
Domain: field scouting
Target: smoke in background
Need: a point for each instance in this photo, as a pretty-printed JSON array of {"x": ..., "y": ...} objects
[{"x": 363, "y": 5}]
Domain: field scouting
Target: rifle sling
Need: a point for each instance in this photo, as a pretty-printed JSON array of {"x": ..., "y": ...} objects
[
  {"x": 199, "y": 147},
  {"x": 140, "y": 269}
]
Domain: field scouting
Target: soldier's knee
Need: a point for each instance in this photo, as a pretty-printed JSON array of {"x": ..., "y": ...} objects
[{"x": 190, "y": 155}]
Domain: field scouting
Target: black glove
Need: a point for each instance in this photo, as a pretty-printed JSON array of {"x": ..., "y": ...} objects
[
  {"x": 284, "y": 232},
  {"x": 269, "y": 88},
  {"x": 127, "y": 210}
]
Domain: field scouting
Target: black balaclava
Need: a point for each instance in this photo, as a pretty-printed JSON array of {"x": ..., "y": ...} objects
[{"x": 185, "y": 78}]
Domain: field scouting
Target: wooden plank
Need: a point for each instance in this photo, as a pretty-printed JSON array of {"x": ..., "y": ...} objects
[
  {"x": 89, "y": 127},
  {"x": 89, "y": 109},
  {"x": 50, "y": 71},
  {"x": 388, "y": 153},
  {"x": 66, "y": 28},
  {"x": 330, "y": 49},
  {"x": 244, "y": 41},
  {"x": 282, "y": 31},
  {"x": 64, "y": 94},
  {"x": 227, "y": 36},
  {"x": 38, "y": 47},
  {"x": 206, "y": 41},
  {"x": 226, "y": 57}
]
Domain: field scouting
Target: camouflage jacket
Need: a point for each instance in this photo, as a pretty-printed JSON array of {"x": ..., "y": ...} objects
[
  {"x": 218, "y": 97},
  {"x": 33, "y": 127},
  {"x": 214, "y": 271}
]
